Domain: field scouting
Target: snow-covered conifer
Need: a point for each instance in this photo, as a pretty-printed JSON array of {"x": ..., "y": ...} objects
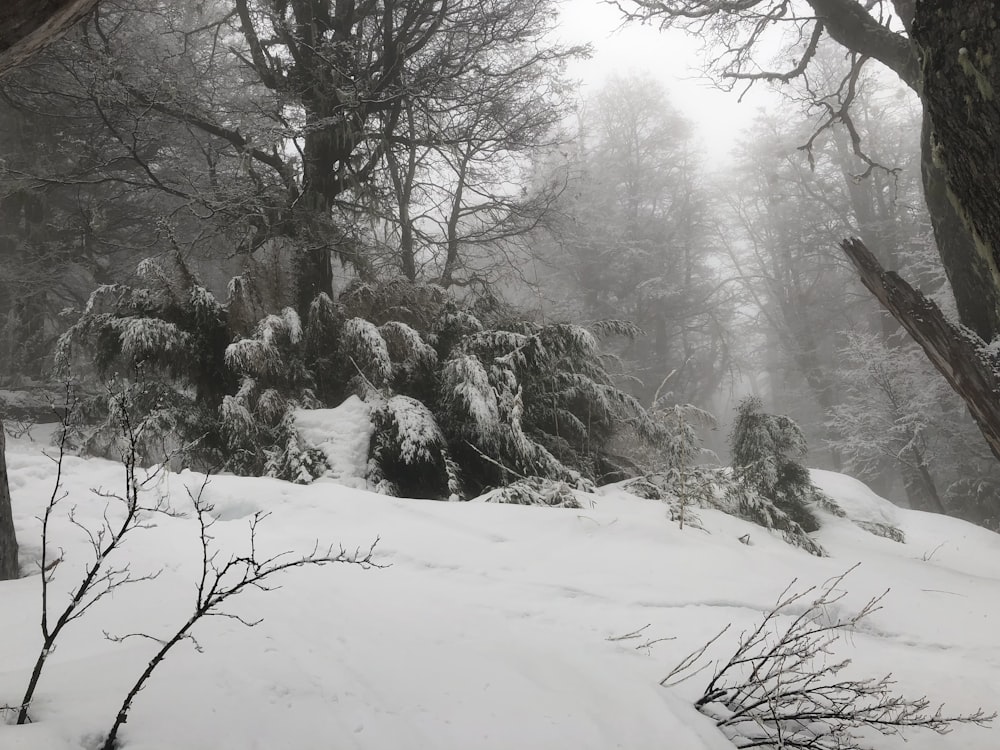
[
  {"x": 363, "y": 345},
  {"x": 409, "y": 453},
  {"x": 764, "y": 452}
]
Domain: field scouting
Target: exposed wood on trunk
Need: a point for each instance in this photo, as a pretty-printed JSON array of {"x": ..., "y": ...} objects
[
  {"x": 955, "y": 351},
  {"x": 28, "y": 26}
]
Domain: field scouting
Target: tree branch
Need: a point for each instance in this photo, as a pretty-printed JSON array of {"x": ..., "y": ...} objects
[{"x": 957, "y": 353}]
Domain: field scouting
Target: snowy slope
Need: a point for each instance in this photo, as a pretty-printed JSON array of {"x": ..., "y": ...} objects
[{"x": 489, "y": 628}]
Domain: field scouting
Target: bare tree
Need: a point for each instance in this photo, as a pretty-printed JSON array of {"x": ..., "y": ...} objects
[
  {"x": 633, "y": 237},
  {"x": 870, "y": 30},
  {"x": 944, "y": 52}
]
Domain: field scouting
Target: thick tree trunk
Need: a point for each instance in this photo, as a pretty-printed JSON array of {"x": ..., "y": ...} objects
[
  {"x": 956, "y": 352},
  {"x": 958, "y": 44},
  {"x": 946, "y": 27},
  {"x": 971, "y": 275},
  {"x": 27, "y": 26},
  {"x": 8, "y": 542}
]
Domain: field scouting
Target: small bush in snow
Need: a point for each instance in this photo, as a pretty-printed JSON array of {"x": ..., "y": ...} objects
[
  {"x": 535, "y": 491},
  {"x": 716, "y": 488},
  {"x": 884, "y": 530},
  {"x": 290, "y": 458}
]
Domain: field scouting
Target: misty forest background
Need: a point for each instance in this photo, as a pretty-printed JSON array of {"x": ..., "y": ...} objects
[{"x": 216, "y": 212}]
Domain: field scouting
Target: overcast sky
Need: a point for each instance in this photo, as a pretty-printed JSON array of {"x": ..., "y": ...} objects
[{"x": 672, "y": 57}]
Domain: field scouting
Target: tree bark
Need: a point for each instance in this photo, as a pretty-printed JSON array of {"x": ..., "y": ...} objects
[
  {"x": 28, "y": 26},
  {"x": 8, "y": 542},
  {"x": 971, "y": 275},
  {"x": 957, "y": 353},
  {"x": 958, "y": 44},
  {"x": 971, "y": 270}
]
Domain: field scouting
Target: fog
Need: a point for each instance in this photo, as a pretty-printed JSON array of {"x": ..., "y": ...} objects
[{"x": 688, "y": 179}]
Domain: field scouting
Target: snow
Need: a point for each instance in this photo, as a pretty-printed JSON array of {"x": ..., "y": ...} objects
[
  {"x": 489, "y": 628},
  {"x": 344, "y": 435},
  {"x": 855, "y": 498},
  {"x": 418, "y": 432}
]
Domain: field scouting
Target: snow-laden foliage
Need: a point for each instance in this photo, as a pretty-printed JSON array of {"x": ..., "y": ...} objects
[
  {"x": 170, "y": 427},
  {"x": 682, "y": 483},
  {"x": 764, "y": 451},
  {"x": 884, "y": 530},
  {"x": 146, "y": 338},
  {"x": 416, "y": 305},
  {"x": 320, "y": 343},
  {"x": 362, "y": 346},
  {"x": 262, "y": 355},
  {"x": 470, "y": 399},
  {"x": 899, "y": 416},
  {"x": 255, "y": 422},
  {"x": 290, "y": 458},
  {"x": 240, "y": 427},
  {"x": 413, "y": 360},
  {"x": 715, "y": 487},
  {"x": 164, "y": 342},
  {"x": 459, "y": 406},
  {"x": 409, "y": 454},
  {"x": 747, "y": 502},
  {"x": 451, "y": 326},
  {"x": 535, "y": 399},
  {"x": 534, "y": 491}
]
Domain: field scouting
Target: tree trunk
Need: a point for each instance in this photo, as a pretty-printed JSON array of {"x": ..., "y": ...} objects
[
  {"x": 956, "y": 352},
  {"x": 921, "y": 491},
  {"x": 958, "y": 44},
  {"x": 972, "y": 279},
  {"x": 28, "y": 26},
  {"x": 8, "y": 542}
]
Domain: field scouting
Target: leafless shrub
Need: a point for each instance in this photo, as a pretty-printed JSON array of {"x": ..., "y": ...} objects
[
  {"x": 103, "y": 575},
  {"x": 219, "y": 581},
  {"x": 221, "y": 577},
  {"x": 783, "y": 687}
]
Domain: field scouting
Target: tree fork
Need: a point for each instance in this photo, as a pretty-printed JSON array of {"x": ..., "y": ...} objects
[{"x": 956, "y": 352}]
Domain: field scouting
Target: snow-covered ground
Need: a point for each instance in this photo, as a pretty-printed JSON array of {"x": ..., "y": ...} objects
[{"x": 491, "y": 627}]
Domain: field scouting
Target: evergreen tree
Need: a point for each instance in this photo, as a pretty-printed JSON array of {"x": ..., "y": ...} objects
[{"x": 764, "y": 452}]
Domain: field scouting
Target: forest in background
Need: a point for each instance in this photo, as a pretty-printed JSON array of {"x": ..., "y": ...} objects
[{"x": 236, "y": 209}]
